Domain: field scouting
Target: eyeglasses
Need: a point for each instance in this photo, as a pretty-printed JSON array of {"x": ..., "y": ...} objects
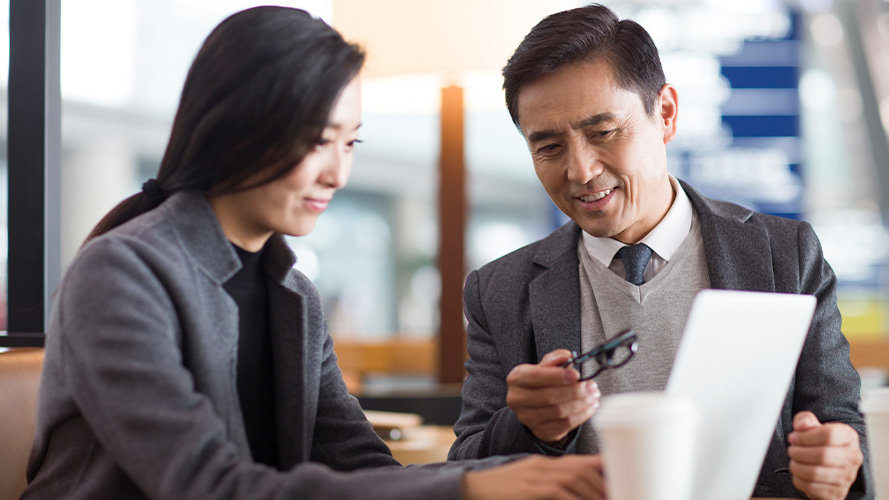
[{"x": 614, "y": 353}]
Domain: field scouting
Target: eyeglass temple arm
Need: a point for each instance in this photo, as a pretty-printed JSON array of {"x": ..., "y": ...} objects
[{"x": 607, "y": 346}]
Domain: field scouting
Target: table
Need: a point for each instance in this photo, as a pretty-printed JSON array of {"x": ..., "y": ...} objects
[
  {"x": 423, "y": 444},
  {"x": 430, "y": 443}
]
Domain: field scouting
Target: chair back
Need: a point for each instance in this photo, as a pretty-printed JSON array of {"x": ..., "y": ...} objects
[{"x": 19, "y": 380}]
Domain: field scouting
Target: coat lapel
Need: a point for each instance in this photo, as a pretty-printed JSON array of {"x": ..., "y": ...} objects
[
  {"x": 555, "y": 293},
  {"x": 197, "y": 229},
  {"x": 296, "y": 373},
  {"x": 288, "y": 327},
  {"x": 738, "y": 253},
  {"x": 738, "y": 258}
]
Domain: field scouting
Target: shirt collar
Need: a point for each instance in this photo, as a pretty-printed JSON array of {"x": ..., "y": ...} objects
[{"x": 664, "y": 239}]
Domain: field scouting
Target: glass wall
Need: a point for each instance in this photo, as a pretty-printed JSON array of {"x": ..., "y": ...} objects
[
  {"x": 373, "y": 254},
  {"x": 784, "y": 105},
  {"x": 845, "y": 97}
]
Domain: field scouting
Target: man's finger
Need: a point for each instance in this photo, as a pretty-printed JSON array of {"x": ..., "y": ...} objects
[
  {"x": 805, "y": 420},
  {"x": 827, "y": 456},
  {"x": 813, "y": 474},
  {"x": 571, "y": 410},
  {"x": 551, "y": 396},
  {"x": 819, "y": 491},
  {"x": 833, "y": 434},
  {"x": 536, "y": 376},
  {"x": 545, "y": 374},
  {"x": 555, "y": 358}
]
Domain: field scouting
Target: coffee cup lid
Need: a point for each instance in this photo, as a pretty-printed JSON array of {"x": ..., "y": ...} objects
[
  {"x": 877, "y": 401},
  {"x": 643, "y": 407}
]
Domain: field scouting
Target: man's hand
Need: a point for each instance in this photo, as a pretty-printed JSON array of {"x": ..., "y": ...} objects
[
  {"x": 824, "y": 458},
  {"x": 547, "y": 398},
  {"x": 538, "y": 477}
]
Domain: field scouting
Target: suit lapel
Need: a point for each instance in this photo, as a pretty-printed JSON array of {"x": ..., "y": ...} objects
[
  {"x": 738, "y": 258},
  {"x": 289, "y": 345},
  {"x": 738, "y": 252},
  {"x": 295, "y": 372},
  {"x": 555, "y": 293}
]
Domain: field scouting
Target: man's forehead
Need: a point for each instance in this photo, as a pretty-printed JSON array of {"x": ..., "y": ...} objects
[{"x": 564, "y": 109}]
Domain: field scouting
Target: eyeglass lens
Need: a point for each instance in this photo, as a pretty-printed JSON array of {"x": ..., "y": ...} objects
[{"x": 614, "y": 354}]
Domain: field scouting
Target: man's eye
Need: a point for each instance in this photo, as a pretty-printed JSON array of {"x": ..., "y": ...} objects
[
  {"x": 601, "y": 134},
  {"x": 549, "y": 148}
]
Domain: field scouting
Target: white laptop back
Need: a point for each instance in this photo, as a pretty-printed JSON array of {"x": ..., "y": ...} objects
[{"x": 737, "y": 356}]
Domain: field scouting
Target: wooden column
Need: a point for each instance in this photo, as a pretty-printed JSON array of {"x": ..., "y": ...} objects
[{"x": 452, "y": 236}]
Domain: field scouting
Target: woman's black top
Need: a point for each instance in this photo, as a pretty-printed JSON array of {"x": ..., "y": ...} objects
[{"x": 256, "y": 375}]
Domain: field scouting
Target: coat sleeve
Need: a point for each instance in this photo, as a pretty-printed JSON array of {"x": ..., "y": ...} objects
[
  {"x": 343, "y": 438},
  {"x": 117, "y": 332},
  {"x": 825, "y": 381},
  {"x": 486, "y": 426}
]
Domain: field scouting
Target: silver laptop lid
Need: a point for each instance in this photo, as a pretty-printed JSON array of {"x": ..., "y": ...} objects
[{"x": 736, "y": 359}]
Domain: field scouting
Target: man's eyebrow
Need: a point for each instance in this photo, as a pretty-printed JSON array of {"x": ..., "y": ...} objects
[
  {"x": 586, "y": 122},
  {"x": 541, "y": 135},
  {"x": 595, "y": 120}
]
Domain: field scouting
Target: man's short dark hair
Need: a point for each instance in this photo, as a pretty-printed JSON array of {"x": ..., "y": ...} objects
[{"x": 585, "y": 34}]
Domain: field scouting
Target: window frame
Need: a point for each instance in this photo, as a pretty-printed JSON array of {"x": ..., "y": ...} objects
[{"x": 34, "y": 169}]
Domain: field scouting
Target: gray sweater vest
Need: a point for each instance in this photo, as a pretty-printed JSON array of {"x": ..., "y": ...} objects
[{"x": 657, "y": 311}]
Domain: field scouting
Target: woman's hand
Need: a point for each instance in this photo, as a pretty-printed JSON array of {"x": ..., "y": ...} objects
[{"x": 537, "y": 478}]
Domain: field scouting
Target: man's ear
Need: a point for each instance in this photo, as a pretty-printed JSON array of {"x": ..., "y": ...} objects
[{"x": 668, "y": 110}]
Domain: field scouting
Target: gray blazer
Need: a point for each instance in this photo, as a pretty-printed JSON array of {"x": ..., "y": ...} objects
[
  {"x": 138, "y": 397},
  {"x": 527, "y": 304}
]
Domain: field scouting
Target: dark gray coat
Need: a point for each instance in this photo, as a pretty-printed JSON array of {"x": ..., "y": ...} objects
[
  {"x": 139, "y": 399},
  {"x": 527, "y": 304}
]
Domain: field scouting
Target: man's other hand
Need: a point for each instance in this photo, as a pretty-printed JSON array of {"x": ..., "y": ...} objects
[
  {"x": 824, "y": 458},
  {"x": 548, "y": 399}
]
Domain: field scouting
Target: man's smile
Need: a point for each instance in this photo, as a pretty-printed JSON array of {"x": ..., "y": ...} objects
[{"x": 589, "y": 198}]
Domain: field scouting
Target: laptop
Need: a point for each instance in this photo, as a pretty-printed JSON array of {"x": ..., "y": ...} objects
[{"x": 735, "y": 362}]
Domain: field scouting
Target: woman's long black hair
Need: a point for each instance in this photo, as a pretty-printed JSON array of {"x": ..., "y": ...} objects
[{"x": 255, "y": 102}]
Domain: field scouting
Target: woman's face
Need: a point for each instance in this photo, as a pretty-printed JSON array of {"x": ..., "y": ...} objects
[{"x": 291, "y": 204}]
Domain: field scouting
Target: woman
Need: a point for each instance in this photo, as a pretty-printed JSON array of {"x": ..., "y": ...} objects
[{"x": 185, "y": 358}]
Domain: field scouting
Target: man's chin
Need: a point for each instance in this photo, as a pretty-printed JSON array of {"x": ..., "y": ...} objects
[{"x": 597, "y": 231}]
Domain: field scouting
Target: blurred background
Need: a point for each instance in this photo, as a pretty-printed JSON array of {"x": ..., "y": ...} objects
[{"x": 784, "y": 107}]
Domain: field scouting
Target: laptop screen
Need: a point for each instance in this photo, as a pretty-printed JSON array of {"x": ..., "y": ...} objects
[{"x": 735, "y": 361}]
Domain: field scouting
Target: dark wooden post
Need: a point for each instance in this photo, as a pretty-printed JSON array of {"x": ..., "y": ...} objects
[{"x": 452, "y": 236}]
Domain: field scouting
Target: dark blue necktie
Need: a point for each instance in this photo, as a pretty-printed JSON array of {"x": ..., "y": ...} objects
[{"x": 635, "y": 258}]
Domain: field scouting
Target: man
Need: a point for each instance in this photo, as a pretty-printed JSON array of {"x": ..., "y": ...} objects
[{"x": 588, "y": 93}]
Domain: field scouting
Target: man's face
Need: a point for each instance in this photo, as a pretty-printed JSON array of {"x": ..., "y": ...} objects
[{"x": 600, "y": 156}]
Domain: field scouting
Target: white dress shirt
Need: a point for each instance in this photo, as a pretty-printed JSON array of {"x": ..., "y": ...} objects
[{"x": 664, "y": 239}]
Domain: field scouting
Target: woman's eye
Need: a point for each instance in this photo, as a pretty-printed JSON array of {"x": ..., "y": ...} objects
[{"x": 351, "y": 144}]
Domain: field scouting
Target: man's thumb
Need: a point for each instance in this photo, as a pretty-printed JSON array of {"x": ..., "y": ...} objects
[
  {"x": 555, "y": 358},
  {"x": 805, "y": 420}
]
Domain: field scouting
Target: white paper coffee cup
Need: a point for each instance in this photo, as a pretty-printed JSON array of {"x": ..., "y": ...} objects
[
  {"x": 876, "y": 418},
  {"x": 647, "y": 442}
]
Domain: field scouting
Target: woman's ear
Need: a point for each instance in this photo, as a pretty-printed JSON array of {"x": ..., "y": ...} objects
[{"x": 668, "y": 109}]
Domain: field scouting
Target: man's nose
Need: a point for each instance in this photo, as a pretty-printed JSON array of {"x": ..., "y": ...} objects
[{"x": 584, "y": 165}]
